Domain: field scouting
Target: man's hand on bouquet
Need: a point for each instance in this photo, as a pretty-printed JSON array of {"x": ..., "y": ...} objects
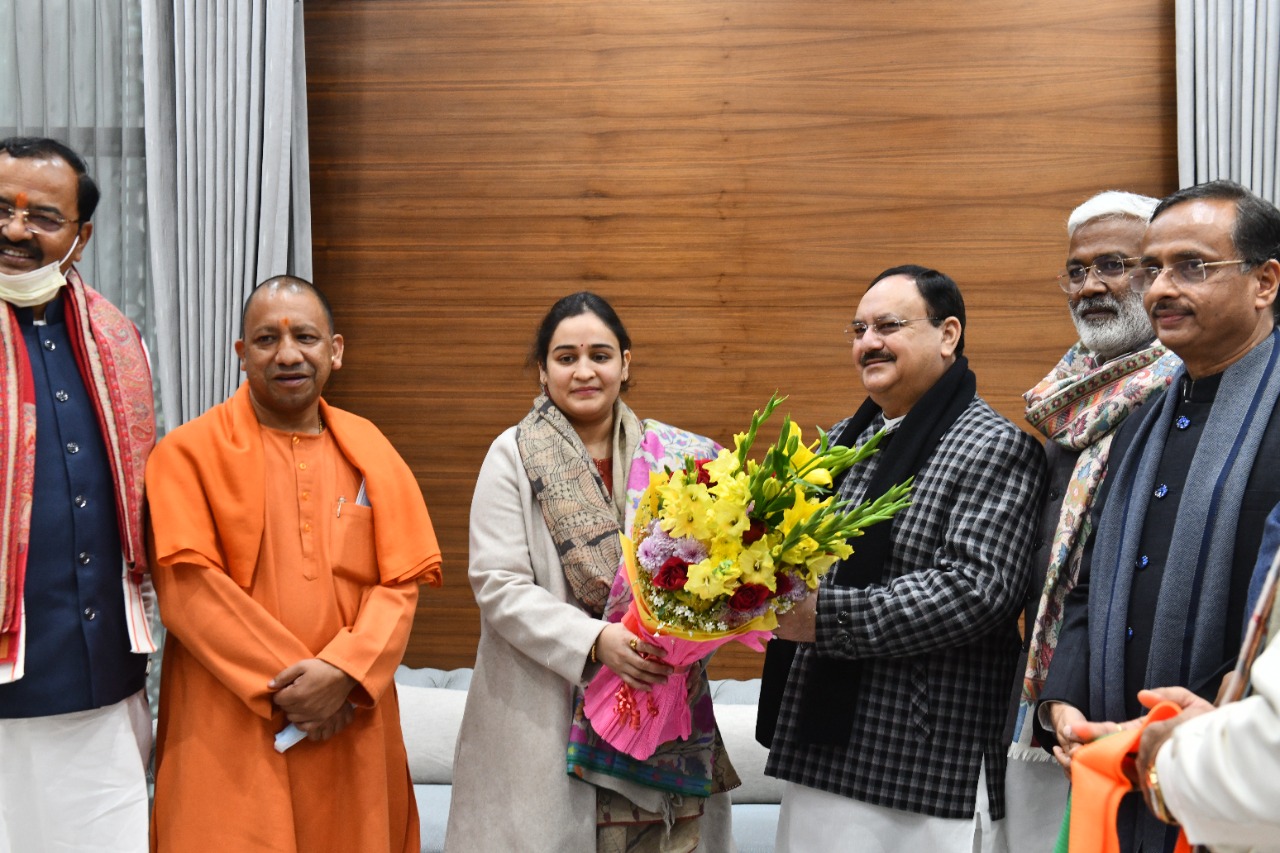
[
  {"x": 636, "y": 662},
  {"x": 800, "y": 623}
]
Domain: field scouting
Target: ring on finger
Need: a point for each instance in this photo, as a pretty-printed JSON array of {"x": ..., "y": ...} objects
[{"x": 634, "y": 642}]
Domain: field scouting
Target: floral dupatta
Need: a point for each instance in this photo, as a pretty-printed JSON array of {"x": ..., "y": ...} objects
[{"x": 682, "y": 768}]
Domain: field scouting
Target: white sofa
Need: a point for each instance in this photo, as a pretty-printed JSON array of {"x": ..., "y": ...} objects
[{"x": 431, "y": 702}]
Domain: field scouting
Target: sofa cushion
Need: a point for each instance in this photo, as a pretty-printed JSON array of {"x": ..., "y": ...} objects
[
  {"x": 730, "y": 691},
  {"x": 456, "y": 679},
  {"x": 430, "y": 717},
  {"x": 737, "y": 724}
]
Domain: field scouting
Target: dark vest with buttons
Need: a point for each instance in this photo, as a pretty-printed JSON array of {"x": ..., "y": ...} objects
[{"x": 77, "y": 655}]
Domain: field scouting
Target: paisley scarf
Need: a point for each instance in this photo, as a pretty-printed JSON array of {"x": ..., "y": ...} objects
[
  {"x": 1079, "y": 405},
  {"x": 113, "y": 364}
]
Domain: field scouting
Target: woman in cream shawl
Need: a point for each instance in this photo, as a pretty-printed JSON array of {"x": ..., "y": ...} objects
[{"x": 551, "y": 498}]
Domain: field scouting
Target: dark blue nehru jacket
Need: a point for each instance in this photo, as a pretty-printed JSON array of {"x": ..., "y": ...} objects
[{"x": 78, "y": 653}]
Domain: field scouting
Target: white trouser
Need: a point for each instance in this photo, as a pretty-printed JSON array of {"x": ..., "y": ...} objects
[
  {"x": 75, "y": 782},
  {"x": 813, "y": 821}
]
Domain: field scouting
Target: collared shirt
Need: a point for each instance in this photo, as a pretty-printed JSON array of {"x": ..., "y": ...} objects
[{"x": 77, "y": 654}]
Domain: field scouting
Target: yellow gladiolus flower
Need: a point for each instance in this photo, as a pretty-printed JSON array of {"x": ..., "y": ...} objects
[
  {"x": 712, "y": 579},
  {"x": 801, "y": 551},
  {"x": 724, "y": 468},
  {"x": 657, "y": 479},
  {"x": 687, "y": 511},
  {"x": 804, "y": 456},
  {"x": 800, "y": 510},
  {"x": 757, "y": 564}
]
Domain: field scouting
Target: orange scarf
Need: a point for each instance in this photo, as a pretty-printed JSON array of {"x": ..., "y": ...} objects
[
  {"x": 1098, "y": 784},
  {"x": 214, "y": 511}
]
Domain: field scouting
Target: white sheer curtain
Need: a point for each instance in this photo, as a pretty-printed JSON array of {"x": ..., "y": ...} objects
[
  {"x": 73, "y": 72},
  {"x": 1228, "y": 58},
  {"x": 227, "y": 178}
]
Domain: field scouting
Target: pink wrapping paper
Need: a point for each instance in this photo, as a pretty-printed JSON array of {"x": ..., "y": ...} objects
[{"x": 637, "y": 722}]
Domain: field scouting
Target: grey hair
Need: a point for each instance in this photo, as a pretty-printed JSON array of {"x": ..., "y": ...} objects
[{"x": 1111, "y": 204}]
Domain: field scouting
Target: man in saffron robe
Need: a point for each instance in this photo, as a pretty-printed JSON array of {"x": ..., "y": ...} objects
[{"x": 289, "y": 542}]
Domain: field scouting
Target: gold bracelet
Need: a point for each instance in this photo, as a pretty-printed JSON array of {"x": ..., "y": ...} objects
[
  {"x": 593, "y": 652},
  {"x": 1155, "y": 798}
]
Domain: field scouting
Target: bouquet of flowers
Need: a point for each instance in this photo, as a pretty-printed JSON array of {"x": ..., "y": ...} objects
[{"x": 718, "y": 548}]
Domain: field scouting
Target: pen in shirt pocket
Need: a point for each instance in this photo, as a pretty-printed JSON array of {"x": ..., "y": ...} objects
[{"x": 362, "y": 499}]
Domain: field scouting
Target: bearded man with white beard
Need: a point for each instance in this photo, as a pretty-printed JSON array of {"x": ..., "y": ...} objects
[{"x": 1115, "y": 367}]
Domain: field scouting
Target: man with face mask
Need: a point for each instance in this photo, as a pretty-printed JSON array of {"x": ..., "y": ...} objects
[
  {"x": 1115, "y": 367},
  {"x": 77, "y": 426}
]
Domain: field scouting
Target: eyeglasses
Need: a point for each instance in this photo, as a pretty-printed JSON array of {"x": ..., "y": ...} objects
[
  {"x": 884, "y": 328},
  {"x": 38, "y": 221},
  {"x": 1109, "y": 270},
  {"x": 1186, "y": 273}
]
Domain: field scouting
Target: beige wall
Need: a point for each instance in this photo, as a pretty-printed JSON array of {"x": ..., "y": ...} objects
[{"x": 729, "y": 174}]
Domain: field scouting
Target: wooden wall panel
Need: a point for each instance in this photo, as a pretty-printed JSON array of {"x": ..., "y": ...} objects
[{"x": 729, "y": 174}]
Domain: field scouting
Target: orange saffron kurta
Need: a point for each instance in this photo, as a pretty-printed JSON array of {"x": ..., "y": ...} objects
[{"x": 325, "y": 582}]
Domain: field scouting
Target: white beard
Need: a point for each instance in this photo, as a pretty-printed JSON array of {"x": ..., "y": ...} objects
[{"x": 1128, "y": 330}]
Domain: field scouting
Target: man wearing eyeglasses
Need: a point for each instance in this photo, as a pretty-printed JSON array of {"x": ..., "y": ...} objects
[
  {"x": 1115, "y": 367},
  {"x": 77, "y": 425},
  {"x": 1192, "y": 476},
  {"x": 890, "y": 729}
]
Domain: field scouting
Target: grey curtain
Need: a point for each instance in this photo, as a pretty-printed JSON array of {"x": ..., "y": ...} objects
[
  {"x": 1228, "y": 61},
  {"x": 227, "y": 179},
  {"x": 73, "y": 71}
]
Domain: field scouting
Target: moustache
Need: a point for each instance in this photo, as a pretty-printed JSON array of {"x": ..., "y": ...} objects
[
  {"x": 1094, "y": 303},
  {"x": 30, "y": 246},
  {"x": 873, "y": 357},
  {"x": 1169, "y": 306}
]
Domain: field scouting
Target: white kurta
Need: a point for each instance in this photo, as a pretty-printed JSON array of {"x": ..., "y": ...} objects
[
  {"x": 1220, "y": 772},
  {"x": 76, "y": 781}
]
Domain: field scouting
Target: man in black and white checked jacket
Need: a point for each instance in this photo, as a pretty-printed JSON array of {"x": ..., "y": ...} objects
[{"x": 890, "y": 731}]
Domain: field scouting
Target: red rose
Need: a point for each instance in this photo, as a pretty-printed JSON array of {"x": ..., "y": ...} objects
[
  {"x": 754, "y": 532},
  {"x": 703, "y": 477},
  {"x": 749, "y": 596},
  {"x": 673, "y": 574},
  {"x": 784, "y": 582}
]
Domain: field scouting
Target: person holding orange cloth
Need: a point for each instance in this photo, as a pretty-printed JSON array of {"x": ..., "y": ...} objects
[{"x": 289, "y": 542}]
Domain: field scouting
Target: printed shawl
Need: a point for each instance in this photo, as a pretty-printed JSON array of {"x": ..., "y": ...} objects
[
  {"x": 1193, "y": 600},
  {"x": 1079, "y": 405},
  {"x": 214, "y": 506},
  {"x": 113, "y": 364},
  {"x": 568, "y": 487},
  {"x": 582, "y": 518}
]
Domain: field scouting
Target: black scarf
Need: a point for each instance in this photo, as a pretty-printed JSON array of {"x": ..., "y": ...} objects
[{"x": 831, "y": 689}]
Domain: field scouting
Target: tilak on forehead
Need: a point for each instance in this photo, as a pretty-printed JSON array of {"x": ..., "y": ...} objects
[
  {"x": 20, "y": 200},
  {"x": 284, "y": 321}
]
